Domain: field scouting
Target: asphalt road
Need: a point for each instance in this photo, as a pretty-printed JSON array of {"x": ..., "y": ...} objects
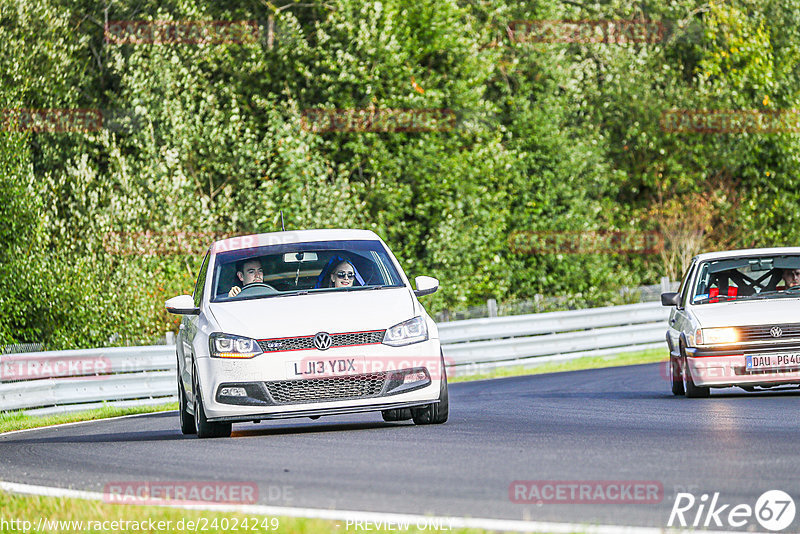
[{"x": 618, "y": 424}]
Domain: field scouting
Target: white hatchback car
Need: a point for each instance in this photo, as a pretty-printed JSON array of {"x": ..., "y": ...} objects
[
  {"x": 736, "y": 322},
  {"x": 304, "y": 324}
]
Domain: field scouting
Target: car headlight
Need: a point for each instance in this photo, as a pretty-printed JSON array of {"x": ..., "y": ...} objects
[
  {"x": 228, "y": 346},
  {"x": 408, "y": 332},
  {"x": 714, "y": 336}
]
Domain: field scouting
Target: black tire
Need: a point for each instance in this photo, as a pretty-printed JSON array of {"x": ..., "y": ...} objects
[
  {"x": 675, "y": 376},
  {"x": 205, "y": 429},
  {"x": 187, "y": 420},
  {"x": 692, "y": 391},
  {"x": 400, "y": 414},
  {"x": 436, "y": 413}
]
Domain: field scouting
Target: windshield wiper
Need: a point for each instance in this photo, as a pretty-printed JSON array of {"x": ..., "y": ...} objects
[
  {"x": 723, "y": 297},
  {"x": 289, "y": 293},
  {"x": 358, "y": 288},
  {"x": 772, "y": 293},
  {"x": 324, "y": 290}
]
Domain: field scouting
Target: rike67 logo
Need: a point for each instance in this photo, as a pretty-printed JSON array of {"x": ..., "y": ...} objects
[{"x": 774, "y": 510}]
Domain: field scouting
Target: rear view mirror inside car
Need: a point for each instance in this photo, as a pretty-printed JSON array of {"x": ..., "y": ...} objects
[
  {"x": 296, "y": 257},
  {"x": 761, "y": 264}
]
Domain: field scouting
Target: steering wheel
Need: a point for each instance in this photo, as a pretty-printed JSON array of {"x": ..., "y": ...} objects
[{"x": 256, "y": 289}]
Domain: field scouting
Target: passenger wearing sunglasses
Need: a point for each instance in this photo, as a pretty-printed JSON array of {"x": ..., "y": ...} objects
[
  {"x": 343, "y": 275},
  {"x": 339, "y": 269}
]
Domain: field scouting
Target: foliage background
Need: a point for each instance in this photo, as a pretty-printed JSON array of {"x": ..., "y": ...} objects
[{"x": 207, "y": 139}]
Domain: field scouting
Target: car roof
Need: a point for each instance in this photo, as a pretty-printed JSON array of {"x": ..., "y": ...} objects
[
  {"x": 292, "y": 236},
  {"x": 746, "y": 252}
]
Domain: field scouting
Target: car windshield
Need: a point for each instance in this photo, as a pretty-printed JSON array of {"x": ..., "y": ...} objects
[
  {"x": 747, "y": 278},
  {"x": 302, "y": 268}
]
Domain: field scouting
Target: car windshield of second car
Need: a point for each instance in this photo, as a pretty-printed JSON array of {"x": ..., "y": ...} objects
[
  {"x": 747, "y": 277},
  {"x": 316, "y": 267}
]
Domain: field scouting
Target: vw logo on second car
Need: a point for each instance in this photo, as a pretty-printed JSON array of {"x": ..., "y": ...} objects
[
  {"x": 776, "y": 331},
  {"x": 322, "y": 341}
]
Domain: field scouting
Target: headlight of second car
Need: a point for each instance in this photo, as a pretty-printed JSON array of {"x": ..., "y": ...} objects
[
  {"x": 716, "y": 336},
  {"x": 228, "y": 346},
  {"x": 408, "y": 332}
]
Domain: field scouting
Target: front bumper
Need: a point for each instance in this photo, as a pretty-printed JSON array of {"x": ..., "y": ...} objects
[
  {"x": 726, "y": 367},
  {"x": 317, "y": 412},
  {"x": 296, "y": 384}
]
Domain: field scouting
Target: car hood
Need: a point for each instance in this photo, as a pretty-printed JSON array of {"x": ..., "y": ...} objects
[
  {"x": 304, "y": 315},
  {"x": 748, "y": 312}
]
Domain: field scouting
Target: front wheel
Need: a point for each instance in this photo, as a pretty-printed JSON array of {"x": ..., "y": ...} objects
[
  {"x": 187, "y": 420},
  {"x": 398, "y": 414},
  {"x": 675, "y": 376},
  {"x": 437, "y": 413},
  {"x": 206, "y": 429},
  {"x": 692, "y": 391}
]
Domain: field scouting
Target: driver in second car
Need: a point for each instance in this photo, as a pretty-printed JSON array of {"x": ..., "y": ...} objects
[
  {"x": 248, "y": 272},
  {"x": 791, "y": 277}
]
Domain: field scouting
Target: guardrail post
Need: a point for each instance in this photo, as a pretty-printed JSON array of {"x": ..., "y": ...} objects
[
  {"x": 170, "y": 338},
  {"x": 665, "y": 284},
  {"x": 492, "y": 305}
]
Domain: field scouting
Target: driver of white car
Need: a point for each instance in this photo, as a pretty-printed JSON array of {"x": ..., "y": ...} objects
[
  {"x": 249, "y": 272},
  {"x": 791, "y": 277}
]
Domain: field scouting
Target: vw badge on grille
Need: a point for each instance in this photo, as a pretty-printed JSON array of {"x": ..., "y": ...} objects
[
  {"x": 322, "y": 341},
  {"x": 776, "y": 331}
]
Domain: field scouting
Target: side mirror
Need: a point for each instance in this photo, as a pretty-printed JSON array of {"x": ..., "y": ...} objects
[
  {"x": 182, "y": 305},
  {"x": 425, "y": 285},
  {"x": 670, "y": 299}
]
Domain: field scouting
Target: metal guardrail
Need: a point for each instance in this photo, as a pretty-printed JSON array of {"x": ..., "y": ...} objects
[
  {"x": 478, "y": 345},
  {"x": 42, "y": 383}
]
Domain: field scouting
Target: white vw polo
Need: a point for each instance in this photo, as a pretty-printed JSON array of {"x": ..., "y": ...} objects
[
  {"x": 736, "y": 322},
  {"x": 304, "y": 324}
]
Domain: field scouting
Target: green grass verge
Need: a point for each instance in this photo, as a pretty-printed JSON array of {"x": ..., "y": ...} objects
[
  {"x": 96, "y": 516},
  {"x": 589, "y": 362},
  {"x": 18, "y": 420}
]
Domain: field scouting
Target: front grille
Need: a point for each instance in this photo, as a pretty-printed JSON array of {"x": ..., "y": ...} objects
[
  {"x": 327, "y": 389},
  {"x": 742, "y": 371},
  {"x": 763, "y": 332},
  {"x": 289, "y": 343},
  {"x": 347, "y": 339}
]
